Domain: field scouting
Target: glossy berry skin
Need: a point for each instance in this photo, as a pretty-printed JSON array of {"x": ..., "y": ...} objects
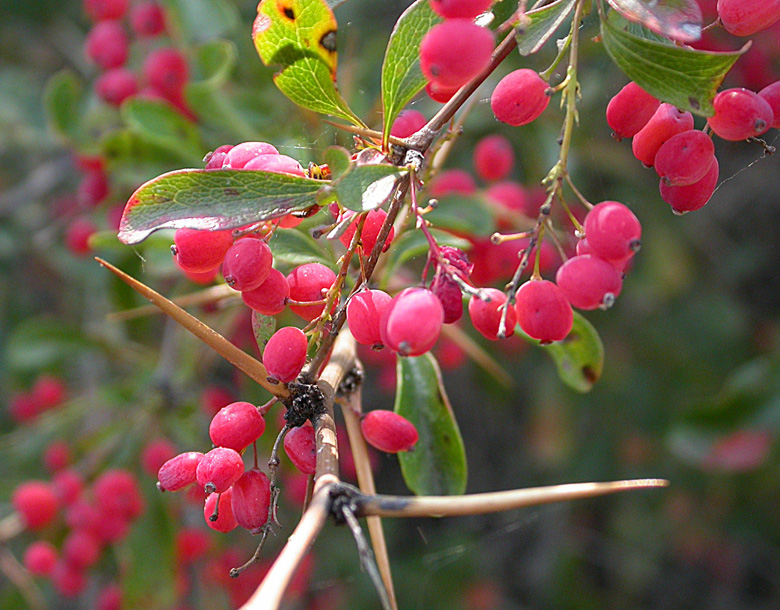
[
  {"x": 300, "y": 447},
  {"x": 219, "y": 469},
  {"x": 247, "y": 264},
  {"x": 309, "y": 282},
  {"x": 460, "y": 9},
  {"x": 277, "y": 164},
  {"x": 179, "y": 472},
  {"x": 494, "y": 158},
  {"x": 693, "y": 196},
  {"x": 270, "y": 298},
  {"x": 166, "y": 70},
  {"x": 746, "y": 17},
  {"x": 285, "y": 353},
  {"x": 107, "y": 45},
  {"x": 486, "y": 315},
  {"x": 236, "y": 426},
  {"x": 439, "y": 93},
  {"x": 36, "y": 502},
  {"x": 100, "y": 10},
  {"x": 613, "y": 231},
  {"x": 411, "y": 323},
  {"x": 40, "y": 558},
  {"x": 147, "y": 19},
  {"x": 388, "y": 431},
  {"x": 685, "y": 158},
  {"x": 251, "y": 499},
  {"x": 200, "y": 251},
  {"x": 226, "y": 520},
  {"x": 665, "y": 123},
  {"x": 216, "y": 158},
  {"x": 589, "y": 282},
  {"x": 455, "y": 51},
  {"x": 370, "y": 233},
  {"x": 771, "y": 93},
  {"x": 239, "y": 155},
  {"x": 407, "y": 123},
  {"x": 630, "y": 110},
  {"x": 543, "y": 311},
  {"x": 740, "y": 114},
  {"x": 364, "y": 311},
  {"x": 519, "y": 98},
  {"x": 115, "y": 86}
]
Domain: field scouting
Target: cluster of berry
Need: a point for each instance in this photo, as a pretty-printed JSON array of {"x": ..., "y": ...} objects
[
  {"x": 746, "y": 17},
  {"x": 48, "y": 392}
]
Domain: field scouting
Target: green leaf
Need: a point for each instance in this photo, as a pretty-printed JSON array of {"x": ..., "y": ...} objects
[
  {"x": 579, "y": 357},
  {"x": 540, "y": 25},
  {"x": 214, "y": 61},
  {"x": 64, "y": 102},
  {"x": 159, "y": 123},
  {"x": 262, "y": 329},
  {"x": 364, "y": 187},
  {"x": 202, "y": 20},
  {"x": 42, "y": 342},
  {"x": 413, "y": 244},
  {"x": 437, "y": 463},
  {"x": 300, "y": 36},
  {"x": 677, "y": 19},
  {"x": 294, "y": 247},
  {"x": 402, "y": 78},
  {"x": 685, "y": 77},
  {"x": 212, "y": 200},
  {"x": 133, "y": 159},
  {"x": 338, "y": 160},
  {"x": 463, "y": 214}
]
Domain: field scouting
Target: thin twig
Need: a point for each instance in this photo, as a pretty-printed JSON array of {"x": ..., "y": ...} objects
[
  {"x": 10, "y": 527},
  {"x": 209, "y": 295},
  {"x": 366, "y": 556}
]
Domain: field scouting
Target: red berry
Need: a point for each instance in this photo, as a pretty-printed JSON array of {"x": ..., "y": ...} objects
[
  {"x": 543, "y": 311},
  {"x": 219, "y": 469},
  {"x": 300, "y": 447},
  {"x": 48, "y": 391},
  {"x": 251, "y": 499},
  {"x": 107, "y": 45},
  {"x": 216, "y": 158},
  {"x": 221, "y": 506},
  {"x": 36, "y": 502},
  {"x": 486, "y": 315},
  {"x": 665, "y": 123},
  {"x": 388, "y": 431},
  {"x": 57, "y": 456},
  {"x": 771, "y": 93},
  {"x": 455, "y": 51},
  {"x": 100, "y": 10},
  {"x": 452, "y": 181},
  {"x": 411, "y": 322},
  {"x": 693, "y": 196},
  {"x": 685, "y": 158},
  {"x": 81, "y": 549},
  {"x": 439, "y": 93},
  {"x": 117, "y": 494},
  {"x": 630, "y": 110},
  {"x": 77, "y": 236},
  {"x": 450, "y": 296},
  {"x": 589, "y": 282},
  {"x": 166, "y": 71},
  {"x": 179, "y": 471},
  {"x": 23, "y": 407},
  {"x": 236, "y": 426},
  {"x": 309, "y": 282},
  {"x": 247, "y": 264},
  {"x": 276, "y": 163},
  {"x": 109, "y": 598},
  {"x": 200, "y": 251},
  {"x": 460, "y": 9},
  {"x": 285, "y": 353},
  {"x": 370, "y": 233},
  {"x": 740, "y": 114},
  {"x": 511, "y": 195},
  {"x": 191, "y": 545},
  {"x": 115, "y": 86},
  {"x": 493, "y": 158},
  {"x": 68, "y": 485},
  {"x": 364, "y": 311},
  {"x": 67, "y": 579},
  {"x": 40, "y": 558},
  {"x": 214, "y": 398},
  {"x": 147, "y": 19},
  {"x": 519, "y": 98},
  {"x": 613, "y": 231},
  {"x": 407, "y": 123},
  {"x": 271, "y": 296},
  {"x": 93, "y": 188},
  {"x": 155, "y": 454},
  {"x": 241, "y": 154},
  {"x": 746, "y": 17}
]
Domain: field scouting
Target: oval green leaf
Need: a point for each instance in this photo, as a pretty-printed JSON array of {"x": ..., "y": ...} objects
[
  {"x": 539, "y": 25},
  {"x": 364, "y": 187},
  {"x": 160, "y": 124},
  {"x": 294, "y": 247},
  {"x": 64, "y": 102},
  {"x": 463, "y": 214},
  {"x": 262, "y": 329},
  {"x": 677, "y": 19},
  {"x": 437, "y": 464}
]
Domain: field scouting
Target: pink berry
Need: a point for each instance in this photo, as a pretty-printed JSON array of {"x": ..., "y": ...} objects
[
  {"x": 486, "y": 315},
  {"x": 77, "y": 236},
  {"x": 300, "y": 447},
  {"x": 388, "y": 431},
  {"x": 93, "y": 188},
  {"x": 460, "y": 9},
  {"x": 247, "y": 264},
  {"x": 57, "y": 456},
  {"x": 439, "y": 93},
  {"x": 68, "y": 485},
  {"x": 107, "y": 45},
  {"x": 81, "y": 549},
  {"x": 520, "y": 97},
  {"x": 364, "y": 311},
  {"x": 693, "y": 196},
  {"x": 493, "y": 158},
  {"x": 455, "y": 51},
  {"x": 109, "y": 598},
  {"x": 276, "y": 163},
  {"x": 147, "y": 19},
  {"x": 216, "y": 158},
  {"x": 155, "y": 454},
  {"x": 236, "y": 426},
  {"x": 665, "y": 123},
  {"x": 251, "y": 499},
  {"x": 613, "y": 231},
  {"x": 215, "y": 397},
  {"x": 49, "y": 391},
  {"x": 40, "y": 558},
  {"x": 685, "y": 158},
  {"x": 510, "y": 195},
  {"x": 115, "y": 86},
  {"x": 36, "y": 502},
  {"x": 307, "y": 283},
  {"x": 543, "y": 311},
  {"x": 241, "y": 154},
  {"x": 771, "y": 93},
  {"x": 740, "y": 114},
  {"x": 452, "y": 181},
  {"x": 23, "y": 407},
  {"x": 450, "y": 296},
  {"x": 285, "y": 353},
  {"x": 100, "y": 10},
  {"x": 746, "y": 17},
  {"x": 630, "y": 110},
  {"x": 370, "y": 233},
  {"x": 218, "y": 512},
  {"x": 68, "y": 580},
  {"x": 116, "y": 493},
  {"x": 589, "y": 282},
  {"x": 166, "y": 70},
  {"x": 200, "y": 251},
  {"x": 270, "y": 297},
  {"x": 407, "y": 123},
  {"x": 411, "y": 322},
  {"x": 219, "y": 469},
  {"x": 179, "y": 471},
  {"x": 191, "y": 545}
]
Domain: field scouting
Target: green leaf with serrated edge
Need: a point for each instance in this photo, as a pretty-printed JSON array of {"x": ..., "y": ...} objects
[
  {"x": 464, "y": 214},
  {"x": 294, "y": 247},
  {"x": 300, "y": 36},
  {"x": 202, "y": 20},
  {"x": 579, "y": 357},
  {"x": 402, "y": 78},
  {"x": 212, "y": 200},
  {"x": 158, "y": 122},
  {"x": 540, "y": 24},
  {"x": 684, "y": 77},
  {"x": 412, "y": 244},
  {"x": 365, "y": 187},
  {"x": 437, "y": 463},
  {"x": 63, "y": 100},
  {"x": 338, "y": 160},
  {"x": 678, "y": 19},
  {"x": 262, "y": 329}
]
